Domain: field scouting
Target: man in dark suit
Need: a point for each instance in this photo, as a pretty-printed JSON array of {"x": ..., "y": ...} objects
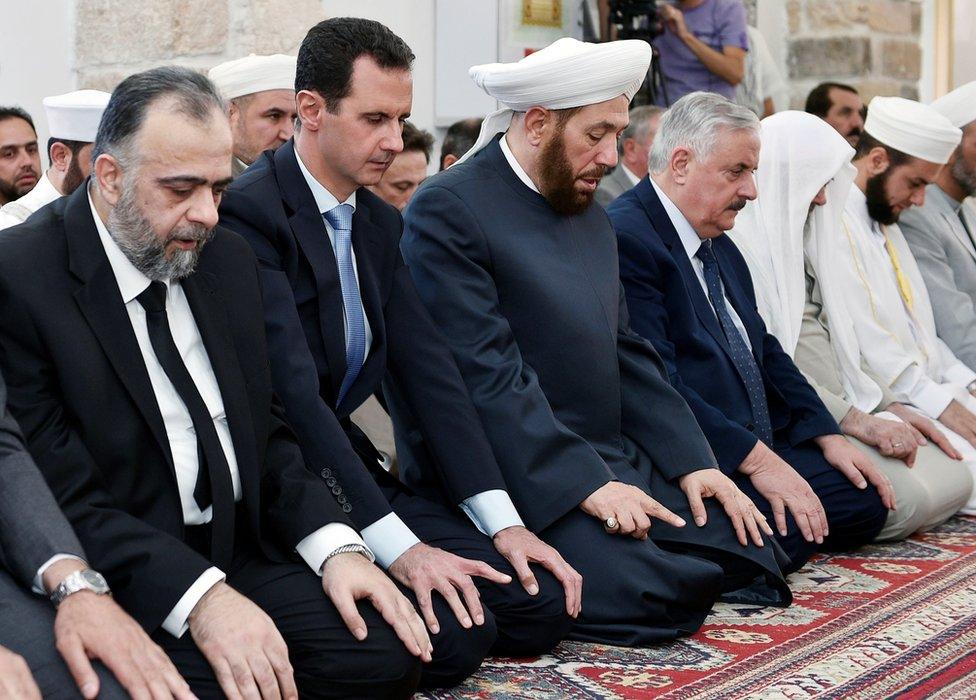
[
  {"x": 689, "y": 292},
  {"x": 342, "y": 316},
  {"x": 131, "y": 333},
  {"x": 39, "y": 551}
]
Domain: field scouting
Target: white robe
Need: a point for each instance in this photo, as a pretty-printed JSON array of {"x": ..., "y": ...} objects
[{"x": 17, "y": 211}]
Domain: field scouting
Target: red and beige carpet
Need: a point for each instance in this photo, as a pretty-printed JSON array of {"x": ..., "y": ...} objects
[{"x": 895, "y": 620}]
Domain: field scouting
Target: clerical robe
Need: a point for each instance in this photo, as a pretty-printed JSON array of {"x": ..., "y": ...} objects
[{"x": 531, "y": 304}]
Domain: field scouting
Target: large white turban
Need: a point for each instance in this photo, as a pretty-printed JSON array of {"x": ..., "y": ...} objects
[
  {"x": 912, "y": 128},
  {"x": 777, "y": 233},
  {"x": 251, "y": 74},
  {"x": 74, "y": 116},
  {"x": 567, "y": 73},
  {"x": 959, "y": 106}
]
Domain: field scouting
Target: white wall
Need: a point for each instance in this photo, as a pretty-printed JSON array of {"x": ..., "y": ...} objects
[{"x": 36, "y": 47}]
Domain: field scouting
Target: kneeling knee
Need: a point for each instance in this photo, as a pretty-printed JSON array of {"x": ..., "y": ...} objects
[
  {"x": 458, "y": 652},
  {"x": 538, "y": 626}
]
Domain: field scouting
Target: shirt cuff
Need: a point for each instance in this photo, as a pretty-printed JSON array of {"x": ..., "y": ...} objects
[
  {"x": 932, "y": 398},
  {"x": 315, "y": 548},
  {"x": 176, "y": 622},
  {"x": 389, "y": 537},
  {"x": 960, "y": 375},
  {"x": 491, "y": 511},
  {"x": 38, "y": 586}
]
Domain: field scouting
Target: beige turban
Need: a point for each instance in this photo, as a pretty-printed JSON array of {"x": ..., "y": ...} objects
[
  {"x": 74, "y": 116},
  {"x": 959, "y": 106},
  {"x": 246, "y": 76},
  {"x": 912, "y": 128},
  {"x": 567, "y": 73}
]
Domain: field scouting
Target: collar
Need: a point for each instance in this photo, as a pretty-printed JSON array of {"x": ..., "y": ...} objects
[
  {"x": 131, "y": 281},
  {"x": 324, "y": 200},
  {"x": 629, "y": 174},
  {"x": 936, "y": 192},
  {"x": 857, "y": 207},
  {"x": 689, "y": 239},
  {"x": 515, "y": 165}
]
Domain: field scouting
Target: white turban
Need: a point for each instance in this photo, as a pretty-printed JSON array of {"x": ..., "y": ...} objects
[
  {"x": 567, "y": 73},
  {"x": 74, "y": 116},
  {"x": 246, "y": 76},
  {"x": 912, "y": 128},
  {"x": 959, "y": 106}
]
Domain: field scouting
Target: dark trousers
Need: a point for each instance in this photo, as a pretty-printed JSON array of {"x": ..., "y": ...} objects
[
  {"x": 327, "y": 659},
  {"x": 27, "y": 628},
  {"x": 516, "y": 623},
  {"x": 854, "y": 517}
]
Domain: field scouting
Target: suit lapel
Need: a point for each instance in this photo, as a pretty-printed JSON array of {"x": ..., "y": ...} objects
[
  {"x": 740, "y": 303},
  {"x": 308, "y": 226},
  {"x": 211, "y": 319},
  {"x": 959, "y": 231},
  {"x": 665, "y": 228},
  {"x": 100, "y": 302}
]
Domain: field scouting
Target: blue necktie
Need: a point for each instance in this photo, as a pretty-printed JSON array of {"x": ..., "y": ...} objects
[
  {"x": 340, "y": 219},
  {"x": 745, "y": 363}
]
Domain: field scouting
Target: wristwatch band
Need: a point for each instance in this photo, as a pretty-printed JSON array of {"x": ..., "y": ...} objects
[
  {"x": 351, "y": 548},
  {"x": 84, "y": 580}
]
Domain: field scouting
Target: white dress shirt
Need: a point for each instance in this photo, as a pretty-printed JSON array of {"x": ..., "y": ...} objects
[
  {"x": 634, "y": 180},
  {"x": 389, "y": 537},
  {"x": 315, "y": 547},
  {"x": 691, "y": 243}
]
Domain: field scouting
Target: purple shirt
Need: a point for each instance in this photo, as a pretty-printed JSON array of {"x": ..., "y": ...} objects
[{"x": 718, "y": 23}]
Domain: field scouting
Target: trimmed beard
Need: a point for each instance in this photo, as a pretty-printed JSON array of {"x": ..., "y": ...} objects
[
  {"x": 73, "y": 178},
  {"x": 964, "y": 174},
  {"x": 879, "y": 208},
  {"x": 556, "y": 180},
  {"x": 134, "y": 234}
]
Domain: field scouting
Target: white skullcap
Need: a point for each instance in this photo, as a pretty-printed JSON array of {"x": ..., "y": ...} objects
[
  {"x": 567, "y": 73},
  {"x": 74, "y": 116},
  {"x": 246, "y": 76},
  {"x": 912, "y": 128},
  {"x": 959, "y": 106}
]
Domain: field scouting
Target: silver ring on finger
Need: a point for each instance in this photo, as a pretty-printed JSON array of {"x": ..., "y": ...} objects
[
  {"x": 897, "y": 444},
  {"x": 610, "y": 524}
]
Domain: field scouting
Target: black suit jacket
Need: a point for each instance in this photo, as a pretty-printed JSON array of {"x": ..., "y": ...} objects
[
  {"x": 442, "y": 448},
  {"x": 80, "y": 389},
  {"x": 669, "y": 307}
]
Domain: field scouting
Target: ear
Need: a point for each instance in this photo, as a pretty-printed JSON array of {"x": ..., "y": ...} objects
[
  {"x": 679, "y": 164},
  {"x": 233, "y": 113},
  {"x": 877, "y": 160},
  {"x": 628, "y": 145},
  {"x": 108, "y": 173},
  {"x": 449, "y": 160},
  {"x": 60, "y": 157},
  {"x": 538, "y": 122},
  {"x": 311, "y": 109}
]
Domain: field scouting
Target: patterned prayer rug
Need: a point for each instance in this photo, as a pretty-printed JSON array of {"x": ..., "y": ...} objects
[{"x": 889, "y": 620}]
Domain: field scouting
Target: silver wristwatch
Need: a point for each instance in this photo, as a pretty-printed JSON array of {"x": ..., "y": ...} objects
[
  {"x": 351, "y": 549},
  {"x": 84, "y": 580}
]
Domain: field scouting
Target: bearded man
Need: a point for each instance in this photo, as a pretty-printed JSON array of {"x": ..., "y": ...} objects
[
  {"x": 904, "y": 148},
  {"x": 20, "y": 161},
  {"x": 942, "y": 232},
  {"x": 131, "y": 331},
  {"x": 518, "y": 267}
]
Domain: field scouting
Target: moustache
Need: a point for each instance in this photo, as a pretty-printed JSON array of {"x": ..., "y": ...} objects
[
  {"x": 196, "y": 234},
  {"x": 738, "y": 204},
  {"x": 595, "y": 173}
]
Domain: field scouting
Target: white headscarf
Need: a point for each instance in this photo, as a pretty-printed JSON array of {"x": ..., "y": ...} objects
[
  {"x": 567, "y": 73},
  {"x": 801, "y": 153},
  {"x": 959, "y": 106}
]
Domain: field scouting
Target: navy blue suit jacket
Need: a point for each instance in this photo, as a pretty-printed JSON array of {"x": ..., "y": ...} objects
[
  {"x": 669, "y": 307},
  {"x": 272, "y": 207}
]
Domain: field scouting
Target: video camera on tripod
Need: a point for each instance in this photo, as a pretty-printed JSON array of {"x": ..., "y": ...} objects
[{"x": 640, "y": 19}]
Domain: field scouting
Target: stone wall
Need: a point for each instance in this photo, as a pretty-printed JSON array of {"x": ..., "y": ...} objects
[{"x": 873, "y": 45}]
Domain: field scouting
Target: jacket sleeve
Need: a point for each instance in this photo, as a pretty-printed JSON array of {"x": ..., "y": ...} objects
[
  {"x": 548, "y": 468},
  {"x": 32, "y": 527},
  {"x": 642, "y": 283},
  {"x": 294, "y": 374}
]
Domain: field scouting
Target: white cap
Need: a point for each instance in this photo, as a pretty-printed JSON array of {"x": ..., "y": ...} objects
[
  {"x": 959, "y": 106},
  {"x": 567, "y": 73},
  {"x": 246, "y": 76},
  {"x": 912, "y": 128},
  {"x": 74, "y": 116}
]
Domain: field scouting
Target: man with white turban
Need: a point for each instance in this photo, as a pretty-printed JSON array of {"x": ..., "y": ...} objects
[
  {"x": 942, "y": 232},
  {"x": 788, "y": 237},
  {"x": 904, "y": 147},
  {"x": 72, "y": 121},
  {"x": 518, "y": 267},
  {"x": 260, "y": 92}
]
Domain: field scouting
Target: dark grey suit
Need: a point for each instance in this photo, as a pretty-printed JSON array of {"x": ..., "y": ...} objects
[
  {"x": 612, "y": 186},
  {"x": 32, "y": 530}
]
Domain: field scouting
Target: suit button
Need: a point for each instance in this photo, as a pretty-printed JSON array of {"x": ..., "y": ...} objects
[
  {"x": 326, "y": 473},
  {"x": 330, "y": 482},
  {"x": 342, "y": 499},
  {"x": 336, "y": 490},
  {"x": 346, "y": 508}
]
